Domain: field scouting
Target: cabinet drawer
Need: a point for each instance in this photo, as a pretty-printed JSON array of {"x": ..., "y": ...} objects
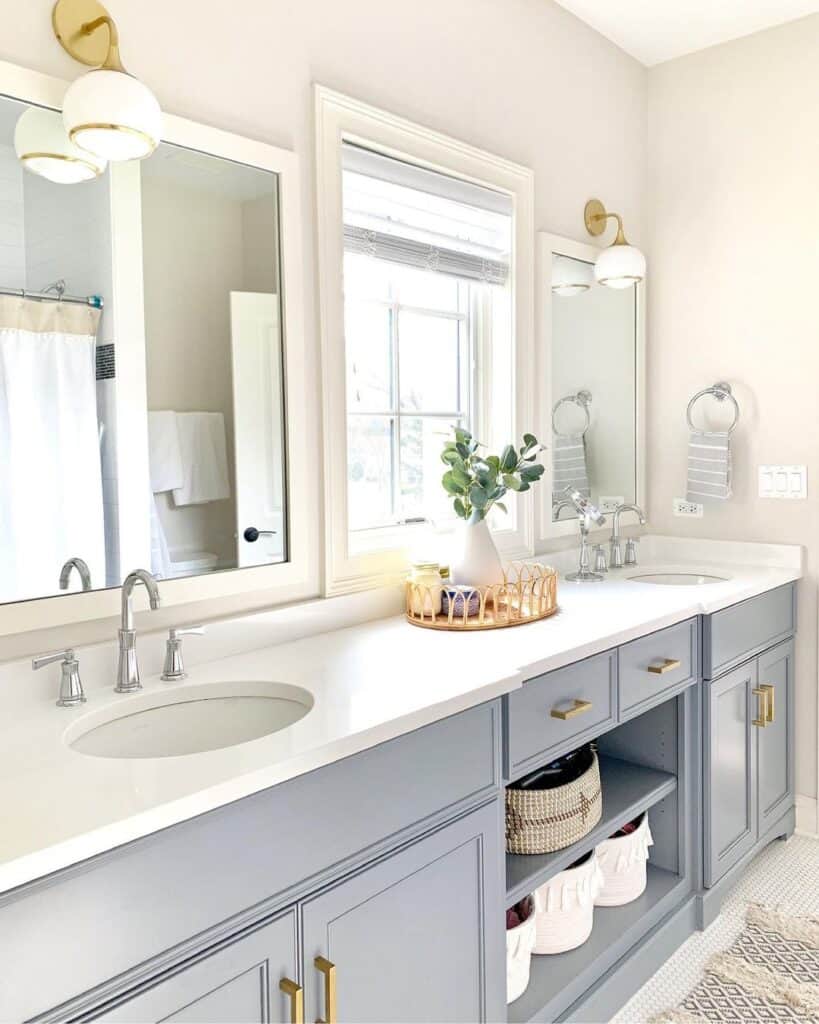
[
  {"x": 653, "y": 666},
  {"x": 734, "y": 634},
  {"x": 584, "y": 692}
]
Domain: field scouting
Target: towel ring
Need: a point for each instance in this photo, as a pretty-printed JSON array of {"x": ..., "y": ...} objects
[
  {"x": 720, "y": 391},
  {"x": 583, "y": 400}
]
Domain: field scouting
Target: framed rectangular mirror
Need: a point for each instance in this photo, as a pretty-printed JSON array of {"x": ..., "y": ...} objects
[
  {"x": 593, "y": 352},
  {"x": 151, "y": 371}
]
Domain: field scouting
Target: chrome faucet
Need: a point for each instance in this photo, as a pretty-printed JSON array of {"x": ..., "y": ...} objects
[
  {"x": 128, "y": 669},
  {"x": 82, "y": 569},
  {"x": 588, "y": 515},
  {"x": 615, "y": 553},
  {"x": 558, "y": 507}
]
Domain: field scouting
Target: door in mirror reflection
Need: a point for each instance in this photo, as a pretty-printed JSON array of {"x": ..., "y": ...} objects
[
  {"x": 594, "y": 363},
  {"x": 141, "y": 381}
]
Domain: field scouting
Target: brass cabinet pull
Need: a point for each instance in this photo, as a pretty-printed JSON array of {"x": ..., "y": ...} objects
[
  {"x": 328, "y": 969},
  {"x": 769, "y": 694},
  {"x": 296, "y": 995},
  {"x": 762, "y": 708},
  {"x": 666, "y": 665},
  {"x": 577, "y": 708}
]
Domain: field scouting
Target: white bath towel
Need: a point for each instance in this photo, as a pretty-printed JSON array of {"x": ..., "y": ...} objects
[
  {"x": 160, "y": 557},
  {"x": 204, "y": 458},
  {"x": 709, "y": 466},
  {"x": 164, "y": 453}
]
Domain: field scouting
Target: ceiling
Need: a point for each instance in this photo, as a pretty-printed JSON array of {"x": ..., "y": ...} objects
[{"x": 657, "y": 30}]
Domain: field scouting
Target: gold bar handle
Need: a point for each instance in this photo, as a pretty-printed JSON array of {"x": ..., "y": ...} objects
[
  {"x": 328, "y": 969},
  {"x": 762, "y": 708},
  {"x": 666, "y": 665},
  {"x": 770, "y": 692},
  {"x": 296, "y": 995},
  {"x": 577, "y": 708}
]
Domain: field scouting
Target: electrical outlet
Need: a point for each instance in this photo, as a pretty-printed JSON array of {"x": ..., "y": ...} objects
[
  {"x": 607, "y": 503},
  {"x": 690, "y": 509}
]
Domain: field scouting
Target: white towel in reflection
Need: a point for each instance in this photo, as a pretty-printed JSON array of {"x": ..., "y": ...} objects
[
  {"x": 569, "y": 465},
  {"x": 160, "y": 556},
  {"x": 164, "y": 454},
  {"x": 204, "y": 458}
]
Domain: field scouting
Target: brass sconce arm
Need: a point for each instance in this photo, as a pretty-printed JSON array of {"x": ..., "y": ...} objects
[
  {"x": 596, "y": 216},
  {"x": 113, "y": 61},
  {"x": 77, "y": 25}
]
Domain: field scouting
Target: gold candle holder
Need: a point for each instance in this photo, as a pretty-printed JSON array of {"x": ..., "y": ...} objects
[{"x": 528, "y": 593}]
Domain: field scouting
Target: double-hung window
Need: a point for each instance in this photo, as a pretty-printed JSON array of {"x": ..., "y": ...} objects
[{"x": 428, "y": 335}]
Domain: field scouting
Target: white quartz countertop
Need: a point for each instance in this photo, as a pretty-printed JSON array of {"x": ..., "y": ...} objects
[{"x": 370, "y": 683}]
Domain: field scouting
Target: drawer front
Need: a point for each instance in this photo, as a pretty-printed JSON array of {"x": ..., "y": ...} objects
[
  {"x": 556, "y": 712},
  {"x": 652, "y": 667},
  {"x": 745, "y": 629}
]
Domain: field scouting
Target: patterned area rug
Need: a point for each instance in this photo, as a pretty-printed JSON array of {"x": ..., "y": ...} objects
[{"x": 770, "y": 974}]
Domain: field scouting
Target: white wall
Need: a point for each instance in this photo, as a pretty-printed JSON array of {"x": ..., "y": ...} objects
[
  {"x": 734, "y": 152},
  {"x": 522, "y": 78}
]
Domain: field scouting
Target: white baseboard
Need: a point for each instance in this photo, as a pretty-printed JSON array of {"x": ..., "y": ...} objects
[{"x": 807, "y": 816}]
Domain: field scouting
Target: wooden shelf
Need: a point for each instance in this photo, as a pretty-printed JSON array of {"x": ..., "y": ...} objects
[
  {"x": 628, "y": 790},
  {"x": 558, "y": 980}
]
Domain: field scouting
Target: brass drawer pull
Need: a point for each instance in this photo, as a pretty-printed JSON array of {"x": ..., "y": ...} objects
[
  {"x": 328, "y": 969},
  {"x": 770, "y": 699},
  {"x": 762, "y": 718},
  {"x": 666, "y": 665},
  {"x": 296, "y": 994},
  {"x": 577, "y": 708}
]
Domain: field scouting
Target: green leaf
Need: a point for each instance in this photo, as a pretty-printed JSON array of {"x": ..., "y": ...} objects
[
  {"x": 509, "y": 458},
  {"x": 532, "y": 473},
  {"x": 478, "y": 497},
  {"x": 449, "y": 456},
  {"x": 501, "y": 506},
  {"x": 460, "y": 508},
  {"x": 461, "y": 477},
  {"x": 529, "y": 440},
  {"x": 462, "y": 436},
  {"x": 513, "y": 482},
  {"x": 463, "y": 450},
  {"x": 494, "y": 461},
  {"x": 451, "y": 485}
]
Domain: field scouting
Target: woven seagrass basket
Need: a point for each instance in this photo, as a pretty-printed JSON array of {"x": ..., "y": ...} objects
[{"x": 543, "y": 820}]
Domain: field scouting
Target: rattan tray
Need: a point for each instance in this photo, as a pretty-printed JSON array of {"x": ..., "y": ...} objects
[{"x": 528, "y": 593}]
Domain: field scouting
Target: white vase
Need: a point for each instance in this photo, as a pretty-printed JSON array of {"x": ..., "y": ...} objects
[{"x": 475, "y": 560}]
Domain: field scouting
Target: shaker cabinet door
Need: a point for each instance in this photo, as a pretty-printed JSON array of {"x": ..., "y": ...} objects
[
  {"x": 237, "y": 984},
  {"x": 416, "y": 936},
  {"x": 775, "y": 741},
  {"x": 730, "y": 770}
]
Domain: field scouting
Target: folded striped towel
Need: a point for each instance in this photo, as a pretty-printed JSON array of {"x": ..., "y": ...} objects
[
  {"x": 709, "y": 466},
  {"x": 569, "y": 465}
]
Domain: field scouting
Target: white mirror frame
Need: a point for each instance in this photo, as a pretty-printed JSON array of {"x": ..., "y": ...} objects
[
  {"x": 281, "y": 581},
  {"x": 339, "y": 118},
  {"x": 547, "y": 244}
]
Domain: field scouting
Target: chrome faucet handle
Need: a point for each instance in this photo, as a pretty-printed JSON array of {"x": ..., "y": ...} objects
[
  {"x": 615, "y": 554},
  {"x": 174, "y": 669},
  {"x": 600, "y": 559},
  {"x": 71, "y": 692},
  {"x": 631, "y": 551}
]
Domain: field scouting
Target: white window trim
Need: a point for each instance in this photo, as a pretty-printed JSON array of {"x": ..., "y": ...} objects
[
  {"x": 547, "y": 244},
  {"x": 340, "y": 118}
]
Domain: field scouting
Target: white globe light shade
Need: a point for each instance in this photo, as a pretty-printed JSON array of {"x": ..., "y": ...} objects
[
  {"x": 570, "y": 277},
  {"x": 113, "y": 115},
  {"x": 620, "y": 266},
  {"x": 44, "y": 148}
]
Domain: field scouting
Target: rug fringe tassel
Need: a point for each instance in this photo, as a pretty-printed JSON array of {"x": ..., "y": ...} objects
[{"x": 759, "y": 981}]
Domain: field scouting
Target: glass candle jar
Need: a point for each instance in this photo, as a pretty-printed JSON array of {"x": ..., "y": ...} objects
[{"x": 426, "y": 584}]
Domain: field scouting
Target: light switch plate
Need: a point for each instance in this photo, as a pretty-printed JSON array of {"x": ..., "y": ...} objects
[{"x": 787, "y": 482}]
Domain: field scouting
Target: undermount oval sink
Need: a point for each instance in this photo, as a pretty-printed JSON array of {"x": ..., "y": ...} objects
[
  {"x": 188, "y": 720},
  {"x": 678, "y": 579}
]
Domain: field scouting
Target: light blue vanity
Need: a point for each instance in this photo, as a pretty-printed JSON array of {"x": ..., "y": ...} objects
[{"x": 377, "y": 884}]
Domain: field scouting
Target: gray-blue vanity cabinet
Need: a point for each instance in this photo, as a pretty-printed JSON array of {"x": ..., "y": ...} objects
[
  {"x": 417, "y": 936},
  {"x": 775, "y": 742},
  {"x": 736, "y": 633},
  {"x": 730, "y": 826},
  {"x": 749, "y": 757},
  {"x": 236, "y": 984}
]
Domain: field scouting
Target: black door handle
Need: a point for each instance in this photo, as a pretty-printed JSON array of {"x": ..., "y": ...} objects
[{"x": 251, "y": 534}]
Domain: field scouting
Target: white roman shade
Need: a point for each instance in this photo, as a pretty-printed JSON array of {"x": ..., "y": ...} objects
[{"x": 417, "y": 217}]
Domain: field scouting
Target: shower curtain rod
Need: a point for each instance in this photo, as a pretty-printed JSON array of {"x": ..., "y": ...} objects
[{"x": 55, "y": 293}]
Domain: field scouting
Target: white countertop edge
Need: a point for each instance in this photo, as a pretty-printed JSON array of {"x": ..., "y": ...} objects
[{"x": 72, "y": 852}]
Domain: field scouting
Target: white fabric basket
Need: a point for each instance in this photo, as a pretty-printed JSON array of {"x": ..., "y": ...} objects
[
  {"x": 623, "y": 866},
  {"x": 564, "y": 908},
  {"x": 520, "y": 942}
]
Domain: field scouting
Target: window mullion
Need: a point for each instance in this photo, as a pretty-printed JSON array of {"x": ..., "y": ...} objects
[{"x": 396, "y": 404}]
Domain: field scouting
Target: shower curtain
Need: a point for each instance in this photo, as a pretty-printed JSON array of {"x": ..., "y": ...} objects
[{"x": 50, "y": 476}]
